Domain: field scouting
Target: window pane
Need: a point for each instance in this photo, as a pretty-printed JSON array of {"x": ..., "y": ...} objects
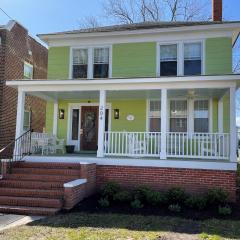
[
  {"x": 80, "y": 63},
  {"x": 101, "y": 55},
  {"x": 192, "y": 59},
  {"x": 155, "y": 109},
  {"x": 28, "y": 71},
  {"x": 168, "y": 60},
  {"x": 101, "y": 63},
  {"x": 26, "y": 123},
  {"x": 75, "y": 124},
  {"x": 100, "y": 70},
  {"x": 200, "y": 125},
  {"x": 178, "y": 108},
  {"x": 79, "y": 71},
  {"x": 178, "y": 124},
  {"x": 201, "y": 112},
  {"x": 155, "y": 124}
]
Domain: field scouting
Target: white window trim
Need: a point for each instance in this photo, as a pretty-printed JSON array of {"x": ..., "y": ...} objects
[
  {"x": 30, "y": 65},
  {"x": 180, "y": 55},
  {"x": 79, "y": 106},
  {"x": 148, "y": 111},
  {"x": 90, "y": 50}
]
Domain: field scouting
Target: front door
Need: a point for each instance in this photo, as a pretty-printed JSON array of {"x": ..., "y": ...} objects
[{"x": 89, "y": 128}]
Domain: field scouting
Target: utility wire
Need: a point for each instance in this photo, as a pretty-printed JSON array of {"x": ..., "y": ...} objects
[{"x": 6, "y": 13}]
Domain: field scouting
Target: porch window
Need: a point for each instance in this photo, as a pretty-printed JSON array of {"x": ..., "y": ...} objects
[
  {"x": 154, "y": 116},
  {"x": 178, "y": 116},
  {"x": 101, "y": 63},
  {"x": 80, "y": 63},
  {"x": 201, "y": 113},
  {"x": 75, "y": 124},
  {"x": 168, "y": 60},
  {"x": 27, "y": 120},
  {"x": 192, "y": 59},
  {"x": 28, "y": 71}
]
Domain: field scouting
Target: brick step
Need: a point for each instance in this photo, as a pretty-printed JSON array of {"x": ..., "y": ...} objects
[
  {"x": 31, "y": 184},
  {"x": 46, "y": 165},
  {"x": 46, "y": 171},
  {"x": 30, "y": 202},
  {"x": 42, "y": 178},
  {"x": 22, "y": 210},
  {"x": 21, "y": 192}
]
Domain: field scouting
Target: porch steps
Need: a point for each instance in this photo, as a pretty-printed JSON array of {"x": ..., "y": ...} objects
[{"x": 36, "y": 188}]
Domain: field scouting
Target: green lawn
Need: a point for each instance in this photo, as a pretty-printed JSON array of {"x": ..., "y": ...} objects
[{"x": 83, "y": 226}]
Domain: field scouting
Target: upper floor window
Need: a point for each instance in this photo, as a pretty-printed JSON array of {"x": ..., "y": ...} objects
[
  {"x": 28, "y": 71},
  {"x": 192, "y": 59},
  {"x": 168, "y": 60},
  {"x": 101, "y": 63},
  {"x": 80, "y": 63},
  {"x": 154, "y": 116}
]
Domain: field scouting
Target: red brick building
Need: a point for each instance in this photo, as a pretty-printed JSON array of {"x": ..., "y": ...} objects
[{"x": 21, "y": 57}]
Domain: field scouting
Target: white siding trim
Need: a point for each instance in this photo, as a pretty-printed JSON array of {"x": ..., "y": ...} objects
[{"x": 220, "y": 115}]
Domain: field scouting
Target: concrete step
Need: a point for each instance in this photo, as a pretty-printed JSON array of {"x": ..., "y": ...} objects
[
  {"x": 21, "y": 192},
  {"x": 22, "y": 210},
  {"x": 31, "y": 184},
  {"x": 46, "y": 171},
  {"x": 42, "y": 178},
  {"x": 30, "y": 202}
]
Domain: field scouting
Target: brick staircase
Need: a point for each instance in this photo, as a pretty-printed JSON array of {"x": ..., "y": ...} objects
[{"x": 36, "y": 188}]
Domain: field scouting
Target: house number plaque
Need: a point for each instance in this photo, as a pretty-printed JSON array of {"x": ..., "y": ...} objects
[{"x": 101, "y": 112}]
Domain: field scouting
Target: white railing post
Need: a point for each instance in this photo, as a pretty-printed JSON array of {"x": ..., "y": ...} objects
[
  {"x": 163, "y": 152},
  {"x": 101, "y": 123},
  {"x": 20, "y": 113},
  {"x": 233, "y": 129},
  {"x": 55, "y": 117}
]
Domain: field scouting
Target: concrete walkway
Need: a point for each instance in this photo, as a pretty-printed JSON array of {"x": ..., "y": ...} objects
[{"x": 11, "y": 220}]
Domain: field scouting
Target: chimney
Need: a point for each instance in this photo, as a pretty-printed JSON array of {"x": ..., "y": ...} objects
[{"x": 217, "y": 10}]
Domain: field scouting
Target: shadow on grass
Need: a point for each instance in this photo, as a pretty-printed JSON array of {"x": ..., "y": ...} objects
[{"x": 74, "y": 220}]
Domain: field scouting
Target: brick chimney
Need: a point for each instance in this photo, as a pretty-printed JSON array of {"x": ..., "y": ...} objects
[{"x": 217, "y": 10}]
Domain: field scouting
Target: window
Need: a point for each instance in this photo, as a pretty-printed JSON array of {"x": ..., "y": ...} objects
[
  {"x": 168, "y": 60},
  {"x": 192, "y": 59},
  {"x": 80, "y": 63},
  {"x": 75, "y": 124},
  {"x": 201, "y": 113},
  {"x": 28, "y": 71},
  {"x": 154, "y": 116},
  {"x": 27, "y": 120},
  {"x": 101, "y": 63},
  {"x": 178, "y": 115}
]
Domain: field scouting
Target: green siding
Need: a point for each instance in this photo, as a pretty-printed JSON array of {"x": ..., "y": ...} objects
[
  {"x": 218, "y": 56},
  {"x": 215, "y": 115},
  {"x": 58, "y": 63},
  {"x": 134, "y": 60}
]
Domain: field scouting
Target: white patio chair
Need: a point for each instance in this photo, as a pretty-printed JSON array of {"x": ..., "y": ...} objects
[
  {"x": 56, "y": 145},
  {"x": 136, "y": 147}
]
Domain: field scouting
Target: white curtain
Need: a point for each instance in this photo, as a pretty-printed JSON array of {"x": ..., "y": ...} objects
[
  {"x": 192, "y": 51},
  {"x": 101, "y": 55},
  {"x": 168, "y": 52},
  {"x": 201, "y": 109},
  {"x": 80, "y": 56}
]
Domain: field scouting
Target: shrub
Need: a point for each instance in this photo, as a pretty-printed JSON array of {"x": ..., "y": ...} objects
[
  {"x": 224, "y": 211},
  {"x": 217, "y": 196},
  {"x": 155, "y": 198},
  {"x": 104, "y": 202},
  {"x": 136, "y": 203},
  {"x": 174, "y": 208},
  {"x": 196, "y": 202},
  {"x": 110, "y": 189},
  {"x": 176, "y": 195},
  {"x": 122, "y": 196},
  {"x": 142, "y": 192}
]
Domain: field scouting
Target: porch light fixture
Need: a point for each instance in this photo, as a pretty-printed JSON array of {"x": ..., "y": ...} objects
[
  {"x": 61, "y": 113},
  {"x": 116, "y": 113}
]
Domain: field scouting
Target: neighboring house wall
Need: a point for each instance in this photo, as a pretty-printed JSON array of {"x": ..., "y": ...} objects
[{"x": 14, "y": 50}]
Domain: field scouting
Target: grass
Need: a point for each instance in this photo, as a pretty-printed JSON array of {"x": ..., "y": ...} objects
[{"x": 83, "y": 226}]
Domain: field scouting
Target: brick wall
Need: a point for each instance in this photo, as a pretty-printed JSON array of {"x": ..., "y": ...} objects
[
  {"x": 14, "y": 51},
  {"x": 192, "y": 180}
]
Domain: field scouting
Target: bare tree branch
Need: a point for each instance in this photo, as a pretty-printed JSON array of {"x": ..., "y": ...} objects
[{"x": 89, "y": 22}]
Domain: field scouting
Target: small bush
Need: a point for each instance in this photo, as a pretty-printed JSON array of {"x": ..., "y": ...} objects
[
  {"x": 141, "y": 193},
  {"x": 224, "y": 211},
  {"x": 155, "y": 198},
  {"x": 136, "y": 204},
  {"x": 196, "y": 202},
  {"x": 104, "y": 202},
  {"x": 174, "y": 208},
  {"x": 110, "y": 189},
  {"x": 122, "y": 196},
  {"x": 217, "y": 196},
  {"x": 176, "y": 195}
]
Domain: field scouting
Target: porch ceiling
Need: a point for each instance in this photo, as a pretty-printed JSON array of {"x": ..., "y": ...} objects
[{"x": 131, "y": 94}]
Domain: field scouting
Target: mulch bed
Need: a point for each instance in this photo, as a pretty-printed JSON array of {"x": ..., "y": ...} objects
[{"x": 91, "y": 205}]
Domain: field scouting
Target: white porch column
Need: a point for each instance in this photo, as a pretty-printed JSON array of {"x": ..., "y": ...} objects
[
  {"x": 191, "y": 116},
  {"x": 220, "y": 115},
  {"x": 233, "y": 129},
  {"x": 55, "y": 117},
  {"x": 101, "y": 123},
  {"x": 20, "y": 113},
  {"x": 163, "y": 153}
]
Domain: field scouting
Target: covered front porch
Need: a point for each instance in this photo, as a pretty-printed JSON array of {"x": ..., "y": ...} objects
[{"x": 178, "y": 121}]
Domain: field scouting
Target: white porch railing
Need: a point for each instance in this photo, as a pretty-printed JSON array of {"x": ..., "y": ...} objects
[
  {"x": 198, "y": 145},
  {"x": 132, "y": 144},
  {"x": 179, "y": 145}
]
